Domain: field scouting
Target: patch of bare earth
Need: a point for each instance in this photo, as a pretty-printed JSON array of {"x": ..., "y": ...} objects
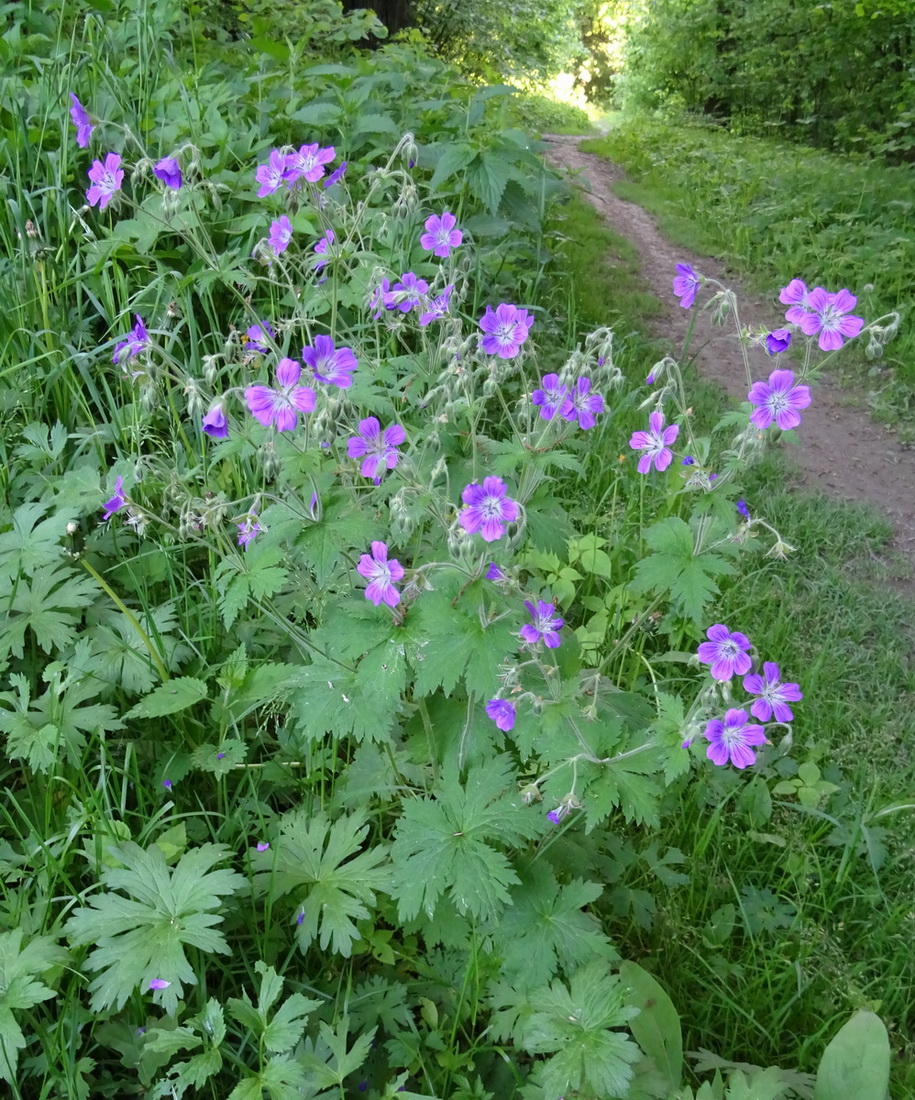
[{"x": 840, "y": 451}]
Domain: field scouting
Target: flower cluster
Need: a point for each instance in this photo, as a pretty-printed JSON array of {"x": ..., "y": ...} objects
[
  {"x": 575, "y": 403},
  {"x": 819, "y": 313},
  {"x": 288, "y": 169},
  {"x": 732, "y": 737},
  {"x": 408, "y": 294}
]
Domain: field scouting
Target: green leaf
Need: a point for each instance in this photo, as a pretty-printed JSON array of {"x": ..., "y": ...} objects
[
  {"x": 20, "y": 967},
  {"x": 453, "y": 160},
  {"x": 657, "y": 1027},
  {"x": 33, "y": 541},
  {"x": 142, "y": 935},
  {"x": 169, "y": 698},
  {"x": 50, "y": 605},
  {"x": 375, "y": 124},
  {"x": 487, "y": 177},
  {"x": 318, "y": 114},
  {"x": 856, "y": 1064}
]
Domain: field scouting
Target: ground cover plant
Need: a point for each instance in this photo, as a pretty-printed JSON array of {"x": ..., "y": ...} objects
[
  {"x": 326, "y": 704},
  {"x": 768, "y": 207}
]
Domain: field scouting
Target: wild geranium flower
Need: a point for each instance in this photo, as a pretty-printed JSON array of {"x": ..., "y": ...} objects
[
  {"x": 725, "y": 652},
  {"x": 117, "y": 501},
  {"x": 582, "y": 405},
  {"x": 168, "y": 171},
  {"x": 774, "y": 696},
  {"x": 323, "y": 249},
  {"x": 381, "y": 296},
  {"x": 280, "y": 234},
  {"x": 281, "y": 407},
  {"x": 378, "y": 448},
  {"x": 494, "y": 573},
  {"x": 248, "y": 530},
  {"x": 133, "y": 344},
  {"x": 828, "y": 316},
  {"x": 406, "y": 294},
  {"x": 81, "y": 121},
  {"x": 258, "y": 335},
  {"x": 794, "y": 295},
  {"x": 731, "y": 739},
  {"x": 335, "y": 176},
  {"x": 308, "y": 163},
  {"x": 551, "y": 396},
  {"x": 272, "y": 175},
  {"x": 686, "y": 283},
  {"x": 106, "y": 179},
  {"x": 437, "y": 308},
  {"x": 505, "y": 330},
  {"x": 215, "y": 423},
  {"x": 742, "y": 508},
  {"x": 655, "y": 443},
  {"x": 333, "y": 366},
  {"x": 778, "y": 341},
  {"x": 158, "y": 983},
  {"x": 488, "y": 509},
  {"x": 778, "y": 400},
  {"x": 545, "y": 625},
  {"x": 263, "y": 845},
  {"x": 502, "y": 712},
  {"x": 441, "y": 235},
  {"x": 381, "y": 574}
]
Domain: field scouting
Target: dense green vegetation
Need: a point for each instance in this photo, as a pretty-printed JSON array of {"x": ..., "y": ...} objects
[{"x": 309, "y": 794}]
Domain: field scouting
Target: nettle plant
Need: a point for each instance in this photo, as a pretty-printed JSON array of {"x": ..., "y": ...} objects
[{"x": 377, "y": 770}]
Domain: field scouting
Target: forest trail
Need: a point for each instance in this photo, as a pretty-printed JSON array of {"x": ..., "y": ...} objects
[{"x": 840, "y": 451}]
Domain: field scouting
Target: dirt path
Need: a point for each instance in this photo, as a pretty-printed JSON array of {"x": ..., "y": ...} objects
[{"x": 841, "y": 452}]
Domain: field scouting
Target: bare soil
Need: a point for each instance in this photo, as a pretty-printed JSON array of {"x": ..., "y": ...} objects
[{"x": 840, "y": 451}]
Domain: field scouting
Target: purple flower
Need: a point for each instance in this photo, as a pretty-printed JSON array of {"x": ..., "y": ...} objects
[
  {"x": 502, "y": 713},
  {"x": 215, "y": 423},
  {"x": 81, "y": 121},
  {"x": 381, "y": 574},
  {"x": 494, "y": 573},
  {"x": 437, "y": 308},
  {"x": 333, "y": 366},
  {"x": 555, "y": 816},
  {"x": 725, "y": 652},
  {"x": 828, "y": 317},
  {"x": 688, "y": 460},
  {"x": 655, "y": 443},
  {"x": 741, "y": 507},
  {"x": 167, "y": 784},
  {"x": 377, "y": 448},
  {"x": 168, "y": 171},
  {"x": 117, "y": 501},
  {"x": 136, "y": 341},
  {"x": 505, "y": 330},
  {"x": 649, "y": 381},
  {"x": 407, "y": 293},
  {"x": 263, "y": 845},
  {"x": 686, "y": 283},
  {"x": 280, "y": 234},
  {"x": 323, "y": 249},
  {"x": 441, "y": 236},
  {"x": 248, "y": 530},
  {"x": 551, "y": 397},
  {"x": 778, "y": 341},
  {"x": 258, "y": 335},
  {"x": 731, "y": 739},
  {"x": 335, "y": 176},
  {"x": 106, "y": 179},
  {"x": 281, "y": 407},
  {"x": 308, "y": 162},
  {"x": 795, "y": 296},
  {"x": 488, "y": 509},
  {"x": 158, "y": 983},
  {"x": 271, "y": 175},
  {"x": 582, "y": 405},
  {"x": 381, "y": 296},
  {"x": 778, "y": 400},
  {"x": 774, "y": 696},
  {"x": 545, "y": 625}
]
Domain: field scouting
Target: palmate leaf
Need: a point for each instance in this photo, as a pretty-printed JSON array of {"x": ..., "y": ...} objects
[
  {"x": 143, "y": 935},
  {"x": 33, "y": 541},
  {"x": 283, "y": 1030},
  {"x": 451, "y": 840},
  {"x": 46, "y": 605},
  {"x": 20, "y": 969},
  {"x": 333, "y": 879},
  {"x": 573, "y": 1025}
]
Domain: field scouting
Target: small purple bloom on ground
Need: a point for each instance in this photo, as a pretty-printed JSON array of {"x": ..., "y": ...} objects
[
  {"x": 502, "y": 713},
  {"x": 774, "y": 696},
  {"x": 488, "y": 509},
  {"x": 741, "y": 507},
  {"x": 725, "y": 652},
  {"x": 263, "y": 845},
  {"x": 158, "y": 983},
  {"x": 117, "y": 501},
  {"x": 381, "y": 574},
  {"x": 167, "y": 784},
  {"x": 731, "y": 739},
  {"x": 688, "y": 461}
]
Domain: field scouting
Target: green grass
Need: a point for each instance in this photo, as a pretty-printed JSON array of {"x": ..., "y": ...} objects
[
  {"x": 835, "y": 934},
  {"x": 775, "y": 211}
]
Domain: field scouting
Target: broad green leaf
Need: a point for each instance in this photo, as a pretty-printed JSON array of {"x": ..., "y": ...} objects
[
  {"x": 657, "y": 1027},
  {"x": 169, "y": 698},
  {"x": 20, "y": 969},
  {"x": 454, "y": 159},
  {"x": 856, "y": 1064}
]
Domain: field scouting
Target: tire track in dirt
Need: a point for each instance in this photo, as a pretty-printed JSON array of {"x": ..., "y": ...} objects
[{"x": 840, "y": 451}]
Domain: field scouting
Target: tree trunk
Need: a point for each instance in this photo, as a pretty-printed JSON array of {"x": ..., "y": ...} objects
[{"x": 395, "y": 14}]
